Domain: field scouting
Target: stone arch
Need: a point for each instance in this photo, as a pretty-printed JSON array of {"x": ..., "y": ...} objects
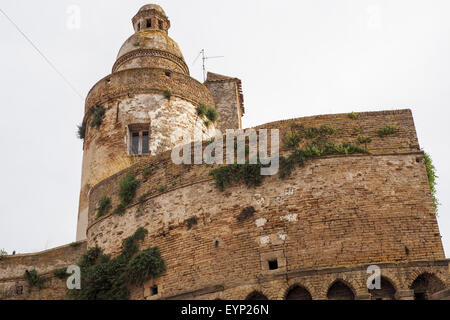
[
  {"x": 386, "y": 292},
  {"x": 256, "y": 295},
  {"x": 425, "y": 285},
  {"x": 340, "y": 290},
  {"x": 298, "y": 292}
]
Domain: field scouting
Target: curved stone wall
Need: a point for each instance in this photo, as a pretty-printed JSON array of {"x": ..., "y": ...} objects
[{"x": 336, "y": 212}]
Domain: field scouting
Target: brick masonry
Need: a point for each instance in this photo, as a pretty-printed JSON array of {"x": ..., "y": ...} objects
[
  {"x": 327, "y": 222},
  {"x": 336, "y": 212},
  {"x": 227, "y": 93},
  {"x": 319, "y": 229},
  {"x": 12, "y": 268}
]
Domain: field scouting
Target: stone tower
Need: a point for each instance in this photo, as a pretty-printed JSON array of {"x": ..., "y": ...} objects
[
  {"x": 140, "y": 118},
  {"x": 227, "y": 93}
]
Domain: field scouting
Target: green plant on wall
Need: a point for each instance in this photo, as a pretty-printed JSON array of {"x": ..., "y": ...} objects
[
  {"x": 314, "y": 150},
  {"x": 3, "y": 254},
  {"x": 34, "y": 279},
  {"x": 120, "y": 209},
  {"x": 321, "y": 132},
  {"x": 353, "y": 115},
  {"x": 147, "y": 172},
  {"x": 104, "y": 205},
  {"x": 320, "y": 145},
  {"x": 292, "y": 139},
  {"x": 245, "y": 214},
  {"x": 209, "y": 113},
  {"x": 143, "y": 198},
  {"x": 191, "y": 222},
  {"x": 81, "y": 132},
  {"x": 431, "y": 174},
  {"x": 364, "y": 139},
  {"x": 387, "y": 130},
  {"x": 167, "y": 93},
  {"x": 127, "y": 191},
  {"x": 145, "y": 265},
  {"x": 61, "y": 273},
  {"x": 75, "y": 244},
  {"x": 249, "y": 174},
  {"x": 212, "y": 114},
  {"x": 107, "y": 278},
  {"x": 201, "y": 110},
  {"x": 98, "y": 114}
]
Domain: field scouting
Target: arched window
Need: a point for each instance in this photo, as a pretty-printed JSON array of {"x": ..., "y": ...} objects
[
  {"x": 340, "y": 291},
  {"x": 139, "y": 26},
  {"x": 256, "y": 295},
  {"x": 425, "y": 285},
  {"x": 386, "y": 292},
  {"x": 149, "y": 23},
  {"x": 160, "y": 24},
  {"x": 298, "y": 293}
]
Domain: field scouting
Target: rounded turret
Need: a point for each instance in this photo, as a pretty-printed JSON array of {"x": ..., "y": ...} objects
[{"x": 146, "y": 106}]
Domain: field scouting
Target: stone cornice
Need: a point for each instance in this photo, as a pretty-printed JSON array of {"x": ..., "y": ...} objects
[
  {"x": 154, "y": 53},
  {"x": 147, "y": 80}
]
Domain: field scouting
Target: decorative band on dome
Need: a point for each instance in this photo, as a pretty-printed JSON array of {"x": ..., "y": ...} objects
[{"x": 153, "y": 53}]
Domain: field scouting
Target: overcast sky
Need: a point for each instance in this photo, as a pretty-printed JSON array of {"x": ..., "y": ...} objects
[{"x": 295, "y": 58}]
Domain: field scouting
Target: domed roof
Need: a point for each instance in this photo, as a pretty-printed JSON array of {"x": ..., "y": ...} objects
[
  {"x": 150, "y": 39},
  {"x": 150, "y": 46},
  {"x": 153, "y": 7}
]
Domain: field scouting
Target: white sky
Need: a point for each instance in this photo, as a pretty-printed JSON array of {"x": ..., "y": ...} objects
[{"x": 295, "y": 58}]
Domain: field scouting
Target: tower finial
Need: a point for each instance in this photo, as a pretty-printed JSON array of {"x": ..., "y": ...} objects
[{"x": 151, "y": 16}]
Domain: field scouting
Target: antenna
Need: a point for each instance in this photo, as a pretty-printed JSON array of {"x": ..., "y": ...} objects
[{"x": 204, "y": 58}]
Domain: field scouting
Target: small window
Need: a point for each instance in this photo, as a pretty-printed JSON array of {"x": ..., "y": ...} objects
[
  {"x": 145, "y": 141},
  {"x": 154, "y": 290},
  {"x": 160, "y": 23},
  {"x": 139, "y": 140},
  {"x": 149, "y": 23},
  {"x": 139, "y": 26},
  {"x": 135, "y": 143},
  {"x": 273, "y": 264}
]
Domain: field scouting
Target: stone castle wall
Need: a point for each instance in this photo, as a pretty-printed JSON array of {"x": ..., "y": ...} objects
[
  {"x": 325, "y": 224},
  {"x": 12, "y": 268},
  {"x": 336, "y": 212}
]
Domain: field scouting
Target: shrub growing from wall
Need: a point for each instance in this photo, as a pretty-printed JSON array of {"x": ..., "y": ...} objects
[{"x": 106, "y": 278}]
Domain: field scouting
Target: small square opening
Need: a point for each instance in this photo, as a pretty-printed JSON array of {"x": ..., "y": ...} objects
[
  {"x": 154, "y": 290},
  {"x": 420, "y": 296},
  {"x": 273, "y": 264}
]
